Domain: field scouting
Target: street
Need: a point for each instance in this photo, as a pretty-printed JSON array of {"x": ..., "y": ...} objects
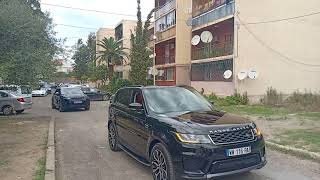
[{"x": 82, "y": 151}]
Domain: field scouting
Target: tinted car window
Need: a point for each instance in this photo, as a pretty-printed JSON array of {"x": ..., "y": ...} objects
[
  {"x": 175, "y": 99},
  {"x": 71, "y": 91},
  {"x": 124, "y": 97}
]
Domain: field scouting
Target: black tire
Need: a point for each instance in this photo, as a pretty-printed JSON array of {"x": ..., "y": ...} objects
[
  {"x": 7, "y": 110},
  {"x": 161, "y": 163},
  {"x": 19, "y": 111},
  {"x": 53, "y": 106},
  {"x": 61, "y": 108},
  {"x": 87, "y": 108},
  {"x": 113, "y": 138}
]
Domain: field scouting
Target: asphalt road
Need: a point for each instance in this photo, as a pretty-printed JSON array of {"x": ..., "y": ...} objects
[{"x": 82, "y": 151}]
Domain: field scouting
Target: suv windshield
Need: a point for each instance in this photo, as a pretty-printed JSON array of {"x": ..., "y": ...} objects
[
  {"x": 175, "y": 99},
  {"x": 71, "y": 91}
]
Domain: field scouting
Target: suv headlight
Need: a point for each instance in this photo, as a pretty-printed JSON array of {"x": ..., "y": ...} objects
[
  {"x": 257, "y": 132},
  {"x": 193, "y": 139}
]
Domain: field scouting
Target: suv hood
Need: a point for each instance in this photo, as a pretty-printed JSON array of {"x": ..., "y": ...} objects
[{"x": 205, "y": 122}]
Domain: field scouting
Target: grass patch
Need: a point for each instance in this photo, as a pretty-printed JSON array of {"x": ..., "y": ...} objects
[
  {"x": 40, "y": 173},
  {"x": 300, "y": 138},
  {"x": 3, "y": 163},
  {"x": 310, "y": 115}
]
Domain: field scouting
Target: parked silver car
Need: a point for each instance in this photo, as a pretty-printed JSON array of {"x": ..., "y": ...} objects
[{"x": 11, "y": 102}]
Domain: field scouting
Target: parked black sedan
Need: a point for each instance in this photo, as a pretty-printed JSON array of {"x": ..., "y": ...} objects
[
  {"x": 70, "y": 98},
  {"x": 95, "y": 94}
]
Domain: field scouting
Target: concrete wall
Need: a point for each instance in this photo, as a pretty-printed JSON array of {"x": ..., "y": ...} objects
[
  {"x": 296, "y": 39},
  {"x": 219, "y": 88}
]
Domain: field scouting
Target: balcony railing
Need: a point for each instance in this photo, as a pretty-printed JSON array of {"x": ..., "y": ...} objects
[
  {"x": 161, "y": 59},
  {"x": 165, "y": 8},
  {"x": 212, "y": 50},
  {"x": 214, "y": 14},
  {"x": 167, "y": 34}
]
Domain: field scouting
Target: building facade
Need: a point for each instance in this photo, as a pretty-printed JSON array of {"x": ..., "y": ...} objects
[
  {"x": 241, "y": 38},
  {"x": 172, "y": 44},
  {"x": 121, "y": 33}
]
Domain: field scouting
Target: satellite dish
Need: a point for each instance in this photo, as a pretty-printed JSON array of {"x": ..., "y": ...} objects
[
  {"x": 206, "y": 36},
  {"x": 253, "y": 73},
  {"x": 195, "y": 40},
  {"x": 153, "y": 71},
  {"x": 243, "y": 75},
  {"x": 227, "y": 74}
]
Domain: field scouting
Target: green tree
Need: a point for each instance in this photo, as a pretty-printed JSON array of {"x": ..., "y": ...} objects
[
  {"x": 139, "y": 55},
  {"x": 27, "y": 42},
  {"x": 84, "y": 58},
  {"x": 112, "y": 53}
]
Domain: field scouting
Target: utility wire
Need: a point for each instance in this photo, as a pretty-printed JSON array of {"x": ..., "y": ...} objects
[
  {"x": 80, "y": 27},
  {"x": 285, "y": 19},
  {"x": 288, "y": 59},
  {"x": 89, "y": 10}
]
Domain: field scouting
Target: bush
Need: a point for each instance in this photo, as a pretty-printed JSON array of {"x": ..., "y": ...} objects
[
  {"x": 115, "y": 84},
  {"x": 306, "y": 101},
  {"x": 272, "y": 98},
  {"x": 236, "y": 99}
]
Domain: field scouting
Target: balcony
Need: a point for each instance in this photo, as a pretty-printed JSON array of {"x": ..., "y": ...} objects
[
  {"x": 162, "y": 59},
  {"x": 165, "y": 9},
  {"x": 212, "y": 50},
  {"x": 164, "y": 35},
  {"x": 214, "y": 14}
]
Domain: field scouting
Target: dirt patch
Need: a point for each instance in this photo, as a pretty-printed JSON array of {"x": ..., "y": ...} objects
[{"x": 22, "y": 144}]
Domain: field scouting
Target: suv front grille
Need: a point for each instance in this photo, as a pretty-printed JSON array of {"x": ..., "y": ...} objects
[{"x": 230, "y": 137}]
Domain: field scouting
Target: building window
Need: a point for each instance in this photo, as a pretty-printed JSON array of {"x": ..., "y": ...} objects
[
  {"x": 166, "y": 75},
  {"x": 211, "y": 71},
  {"x": 166, "y": 22}
]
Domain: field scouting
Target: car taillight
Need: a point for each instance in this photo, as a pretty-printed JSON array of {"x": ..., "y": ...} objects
[{"x": 21, "y": 100}]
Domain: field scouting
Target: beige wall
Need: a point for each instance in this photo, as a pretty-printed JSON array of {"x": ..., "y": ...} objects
[
  {"x": 183, "y": 42},
  {"x": 219, "y": 88},
  {"x": 297, "y": 39}
]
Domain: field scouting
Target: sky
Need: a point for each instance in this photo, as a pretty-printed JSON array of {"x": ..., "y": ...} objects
[{"x": 90, "y": 19}]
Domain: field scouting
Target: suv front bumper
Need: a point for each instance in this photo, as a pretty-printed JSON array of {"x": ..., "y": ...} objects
[{"x": 208, "y": 161}]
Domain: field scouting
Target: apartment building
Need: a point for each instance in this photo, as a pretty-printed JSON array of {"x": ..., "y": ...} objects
[
  {"x": 199, "y": 40},
  {"x": 121, "y": 33},
  {"x": 172, "y": 45}
]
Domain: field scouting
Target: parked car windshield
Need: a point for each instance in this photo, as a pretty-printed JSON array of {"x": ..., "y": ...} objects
[
  {"x": 71, "y": 91},
  {"x": 175, "y": 99}
]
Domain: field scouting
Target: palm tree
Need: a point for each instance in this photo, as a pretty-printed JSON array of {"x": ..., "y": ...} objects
[{"x": 112, "y": 53}]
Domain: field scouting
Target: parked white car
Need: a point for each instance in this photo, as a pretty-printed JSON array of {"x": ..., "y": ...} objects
[{"x": 40, "y": 92}]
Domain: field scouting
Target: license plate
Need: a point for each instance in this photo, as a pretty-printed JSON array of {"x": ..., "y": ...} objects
[
  {"x": 77, "y": 102},
  {"x": 238, "y": 151}
]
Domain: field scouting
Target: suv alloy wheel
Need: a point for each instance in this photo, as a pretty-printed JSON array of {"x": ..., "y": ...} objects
[
  {"x": 112, "y": 138},
  {"x": 161, "y": 163}
]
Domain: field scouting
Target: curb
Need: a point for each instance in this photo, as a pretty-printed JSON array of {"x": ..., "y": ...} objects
[
  {"x": 50, "y": 157},
  {"x": 295, "y": 151}
]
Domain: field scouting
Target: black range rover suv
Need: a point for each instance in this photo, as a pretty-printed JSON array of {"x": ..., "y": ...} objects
[{"x": 180, "y": 135}]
